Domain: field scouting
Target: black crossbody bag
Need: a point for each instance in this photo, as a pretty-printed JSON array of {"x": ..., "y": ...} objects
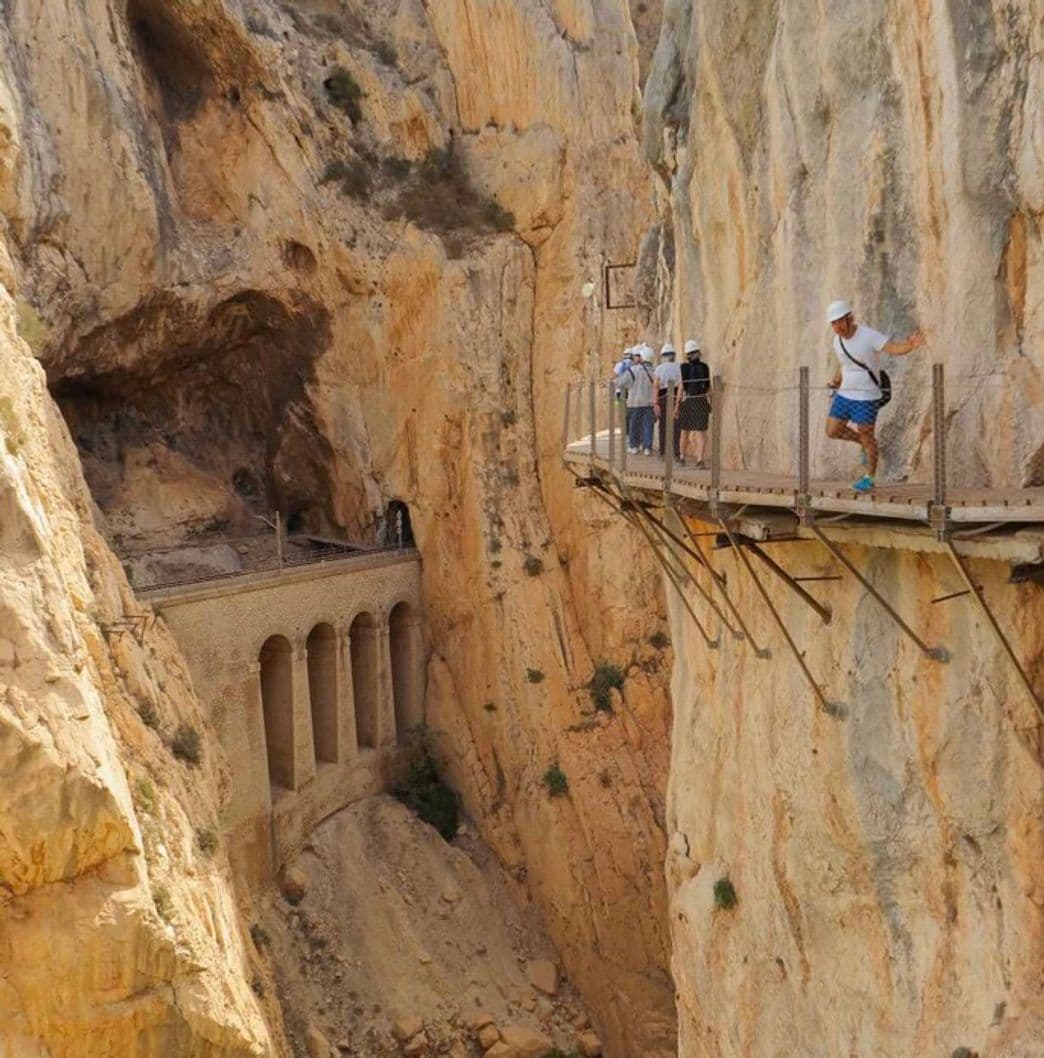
[{"x": 882, "y": 381}]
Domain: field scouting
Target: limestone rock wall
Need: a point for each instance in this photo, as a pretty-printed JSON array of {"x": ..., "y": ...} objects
[
  {"x": 885, "y": 861},
  {"x": 888, "y": 154},
  {"x": 118, "y": 930},
  {"x": 245, "y": 300}
]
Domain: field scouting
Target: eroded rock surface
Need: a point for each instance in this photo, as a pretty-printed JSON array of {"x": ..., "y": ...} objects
[{"x": 316, "y": 257}]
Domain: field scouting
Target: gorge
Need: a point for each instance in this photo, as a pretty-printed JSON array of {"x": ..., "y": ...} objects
[{"x": 292, "y": 294}]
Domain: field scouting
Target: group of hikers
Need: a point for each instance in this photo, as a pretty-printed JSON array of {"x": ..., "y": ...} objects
[
  {"x": 860, "y": 388},
  {"x": 646, "y": 390}
]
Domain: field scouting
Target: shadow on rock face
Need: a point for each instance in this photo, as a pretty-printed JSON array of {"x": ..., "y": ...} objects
[{"x": 221, "y": 391}]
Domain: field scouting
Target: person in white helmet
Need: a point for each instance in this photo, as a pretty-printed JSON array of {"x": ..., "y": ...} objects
[
  {"x": 639, "y": 388},
  {"x": 695, "y": 410},
  {"x": 627, "y": 366},
  {"x": 860, "y": 384},
  {"x": 669, "y": 388}
]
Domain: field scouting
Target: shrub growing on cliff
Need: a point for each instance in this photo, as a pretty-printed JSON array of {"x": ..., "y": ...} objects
[
  {"x": 555, "y": 780},
  {"x": 606, "y": 677},
  {"x": 441, "y": 197},
  {"x": 187, "y": 745},
  {"x": 353, "y": 178},
  {"x": 725, "y": 898},
  {"x": 207, "y": 840},
  {"x": 533, "y": 566},
  {"x": 149, "y": 715},
  {"x": 534, "y": 676},
  {"x": 964, "y": 1052},
  {"x": 344, "y": 92},
  {"x": 162, "y": 902},
  {"x": 423, "y": 792},
  {"x": 659, "y": 640}
]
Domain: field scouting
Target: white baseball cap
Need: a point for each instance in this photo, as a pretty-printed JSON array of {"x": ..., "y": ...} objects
[
  {"x": 838, "y": 311},
  {"x": 692, "y": 346},
  {"x": 667, "y": 350}
]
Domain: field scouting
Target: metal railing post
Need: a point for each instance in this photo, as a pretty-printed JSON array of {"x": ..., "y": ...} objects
[
  {"x": 279, "y": 537},
  {"x": 803, "y": 500},
  {"x": 626, "y": 440},
  {"x": 939, "y": 514},
  {"x": 667, "y": 428},
  {"x": 612, "y": 423},
  {"x": 717, "y": 393}
]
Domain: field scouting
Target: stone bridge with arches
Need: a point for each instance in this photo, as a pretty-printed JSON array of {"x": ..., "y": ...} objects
[{"x": 314, "y": 679}]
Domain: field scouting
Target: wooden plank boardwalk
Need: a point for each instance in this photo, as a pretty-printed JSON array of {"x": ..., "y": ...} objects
[{"x": 908, "y": 501}]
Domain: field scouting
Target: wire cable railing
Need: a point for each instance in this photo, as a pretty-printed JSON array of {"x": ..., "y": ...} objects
[{"x": 741, "y": 432}]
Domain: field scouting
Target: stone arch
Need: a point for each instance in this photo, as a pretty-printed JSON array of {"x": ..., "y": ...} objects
[
  {"x": 322, "y": 646},
  {"x": 406, "y": 674},
  {"x": 277, "y": 703},
  {"x": 366, "y": 677}
]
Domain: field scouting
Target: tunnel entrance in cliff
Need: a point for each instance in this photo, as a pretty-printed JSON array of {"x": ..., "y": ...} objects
[{"x": 195, "y": 425}]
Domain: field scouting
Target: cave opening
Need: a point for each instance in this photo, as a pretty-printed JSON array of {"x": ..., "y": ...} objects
[{"x": 195, "y": 424}]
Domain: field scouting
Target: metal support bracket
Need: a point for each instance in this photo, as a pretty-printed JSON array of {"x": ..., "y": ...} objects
[
  {"x": 974, "y": 588},
  {"x": 935, "y": 653},
  {"x": 825, "y": 613},
  {"x": 831, "y": 708},
  {"x": 718, "y": 580}
]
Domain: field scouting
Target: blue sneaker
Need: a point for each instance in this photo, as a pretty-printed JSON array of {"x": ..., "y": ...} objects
[{"x": 864, "y": 484}]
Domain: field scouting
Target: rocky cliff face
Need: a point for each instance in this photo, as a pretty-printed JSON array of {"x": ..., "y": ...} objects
[
  {"x": 891, "y": 156},
  {"x": 316, "y": 257},
  {"x": 883, "y": 860}
]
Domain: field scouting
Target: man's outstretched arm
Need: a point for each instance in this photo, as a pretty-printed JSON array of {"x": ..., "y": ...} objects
[{"x": 908, "y": 345}]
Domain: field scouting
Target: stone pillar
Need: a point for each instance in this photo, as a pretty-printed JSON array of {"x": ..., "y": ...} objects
[
  {"x": 408, "y": 672},
  {"x": 304, "y": 741},
  {"x": 251, "y": 784},
  {"x": 347, "y": 737},
  {"x": 386, "y": 734}
]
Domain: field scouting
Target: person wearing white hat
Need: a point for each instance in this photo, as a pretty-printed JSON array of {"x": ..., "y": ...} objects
[
  {"x": 668, "y": 378},
  {"x": 695, "y": 410},
  {"x": 861, "y": 386},
  {"x": 639, "y": 388}
]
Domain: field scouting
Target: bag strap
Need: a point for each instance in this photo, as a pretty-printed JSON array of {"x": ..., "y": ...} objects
[{"x": 859, "y": 363}]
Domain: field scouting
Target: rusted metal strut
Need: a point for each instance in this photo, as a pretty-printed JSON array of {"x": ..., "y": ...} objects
[
  {"x": 629, "y": 516},
  {"x": 974, "y": 588},
  {"x": 833, "y": 708},
  {"x": 936, "y": 653}
]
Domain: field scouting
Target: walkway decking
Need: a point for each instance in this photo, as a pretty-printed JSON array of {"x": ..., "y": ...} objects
[{"x": 908, "y": 502}]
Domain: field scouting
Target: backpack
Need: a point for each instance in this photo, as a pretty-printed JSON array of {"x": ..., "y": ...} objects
[{"x": 882, "y": 381}]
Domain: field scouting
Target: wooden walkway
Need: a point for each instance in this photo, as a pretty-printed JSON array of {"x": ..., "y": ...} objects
[{"x": 908, "y": 502}]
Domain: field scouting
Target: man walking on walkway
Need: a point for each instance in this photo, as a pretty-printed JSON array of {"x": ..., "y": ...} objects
[
  {"x": 639, "y": 387},
  {"x": 668, "y": 378},
  {"x": 860, "y": 383}
]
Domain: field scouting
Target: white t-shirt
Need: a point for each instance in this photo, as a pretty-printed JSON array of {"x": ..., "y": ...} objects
[
  {"x": 865, "y": 345},
  {"x": 668, "y": 374}
]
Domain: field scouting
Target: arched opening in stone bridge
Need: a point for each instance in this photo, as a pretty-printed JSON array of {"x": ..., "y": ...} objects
[
  {"x": 322, "y": 690},
  {"x": 404, "y": 635},
  {"x": 277, "y": 702},
  {"x": 366, "y": 678}
]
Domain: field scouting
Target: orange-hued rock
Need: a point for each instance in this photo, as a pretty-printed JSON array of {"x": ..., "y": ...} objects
[
  {"x": 235, "y": 315},
  {"x": 883, "y": 858}
]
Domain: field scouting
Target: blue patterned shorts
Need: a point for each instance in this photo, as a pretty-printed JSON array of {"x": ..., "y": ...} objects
[{"x": 861, "y": 412}]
